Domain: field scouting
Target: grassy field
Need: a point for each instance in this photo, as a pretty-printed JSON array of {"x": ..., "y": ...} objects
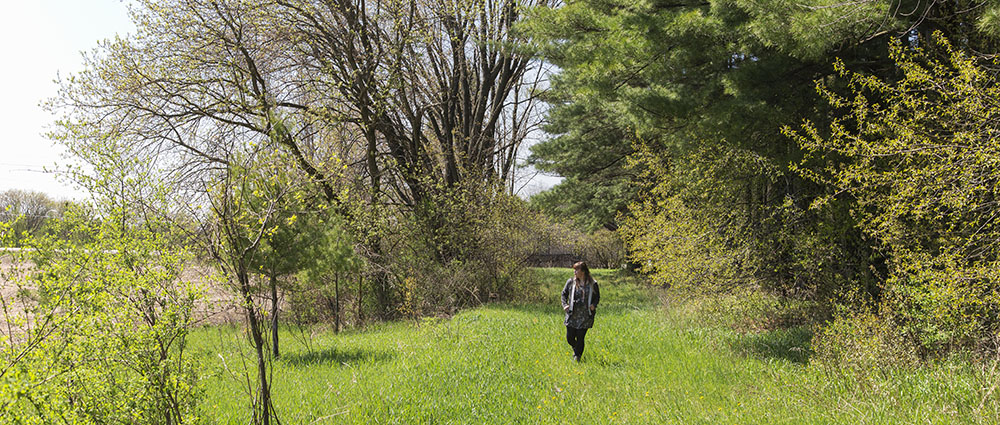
[{"x": 644, "y": 364}]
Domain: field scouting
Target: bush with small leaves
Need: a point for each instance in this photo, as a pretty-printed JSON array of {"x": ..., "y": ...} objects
[{"x": 100, "y": 337}]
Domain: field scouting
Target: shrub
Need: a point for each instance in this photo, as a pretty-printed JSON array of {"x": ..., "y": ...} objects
[
  {"x": 101, "y": 338},
  {"x": 917, "y": 156},
  {"x": 676, "y": 248},
  {"x": 467, "y": 247},
  {"x": 865, "y": 346}
]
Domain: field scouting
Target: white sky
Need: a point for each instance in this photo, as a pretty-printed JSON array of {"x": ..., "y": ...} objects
[{"x": 38, "y": 39}]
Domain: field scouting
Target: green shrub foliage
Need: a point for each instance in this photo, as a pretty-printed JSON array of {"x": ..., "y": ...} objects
[
  {"x": 919, "y": 157},
  {"x": 467, "y": 245},
  {"x": 684, "y": 234},
  {"x": 96, "y": 332}
]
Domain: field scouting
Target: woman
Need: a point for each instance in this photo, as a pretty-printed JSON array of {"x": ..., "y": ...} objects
[{"x": 579, "y": 300}]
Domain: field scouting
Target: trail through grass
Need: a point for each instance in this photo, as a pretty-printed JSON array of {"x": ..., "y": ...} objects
[{"x": 643, "y": 365}]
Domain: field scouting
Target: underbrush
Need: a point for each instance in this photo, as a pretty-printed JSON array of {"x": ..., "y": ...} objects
[{"x": 852, "y": 359}]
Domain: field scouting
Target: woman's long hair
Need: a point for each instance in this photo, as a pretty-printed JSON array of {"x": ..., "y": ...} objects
[{"x": 580, "y": 265}]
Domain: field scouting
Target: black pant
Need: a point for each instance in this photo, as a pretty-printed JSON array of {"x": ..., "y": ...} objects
[{"x": 575, "y": 337}]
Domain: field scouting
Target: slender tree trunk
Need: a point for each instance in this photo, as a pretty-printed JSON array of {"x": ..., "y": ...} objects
[
  {"x": 257, "y": 338},
  {"x": 336, "y": 294},
  {"x": 265, "y": 390},
  {"x": 331, "y": 303},
  {"x": 361, "y": 318},
  {"x": 274, "y": 315}
]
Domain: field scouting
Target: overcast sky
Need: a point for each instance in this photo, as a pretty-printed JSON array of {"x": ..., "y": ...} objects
[{"x": 40, "y": 40}]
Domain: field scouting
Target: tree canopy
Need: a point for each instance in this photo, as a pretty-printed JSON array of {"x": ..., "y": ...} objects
[{"x": 678, "y": 106}]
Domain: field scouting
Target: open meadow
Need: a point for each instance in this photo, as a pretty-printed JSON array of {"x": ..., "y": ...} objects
[{"x": 647, "y": 361}]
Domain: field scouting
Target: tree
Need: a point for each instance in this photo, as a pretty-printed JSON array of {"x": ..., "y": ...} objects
[
  {"x": 411, "y": 97},
  {"x": 244, "y": 213},
  {"x": 694, "y": 94},
  {"x": 589, "y": 147},
  {"x": 438, "y": 92},
  {"x": 29, "y": 210},
  {"x": 332, "y": 256},
  {"x": 438, "y": 83},
  {"x": 284, "y": 249},
  {"x": 225, "y": 203}
]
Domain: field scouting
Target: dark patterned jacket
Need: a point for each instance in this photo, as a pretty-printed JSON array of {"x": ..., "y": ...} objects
[{"x": 579, "y": 315}]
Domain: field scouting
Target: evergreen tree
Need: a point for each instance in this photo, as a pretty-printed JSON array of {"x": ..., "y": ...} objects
[{"x": 694, "y": 94}]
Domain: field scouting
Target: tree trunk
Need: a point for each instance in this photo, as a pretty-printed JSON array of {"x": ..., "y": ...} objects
[
  {"x": 257, "y": 338},
  {"x": 274, "y": 316},
  {"x": 331, "y": 304},
  {"x": 265, "y": 390},
  {"x": 382, "y": 288},
  {"x": 361, "y": 318},
  {"x": 336, "y": 295}
]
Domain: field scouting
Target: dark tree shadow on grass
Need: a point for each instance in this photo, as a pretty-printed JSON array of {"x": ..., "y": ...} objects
[
  {"x": 336, "y": 356},
  {"x": 791, "y": 344},
  {"x": 606, "y": 363}
]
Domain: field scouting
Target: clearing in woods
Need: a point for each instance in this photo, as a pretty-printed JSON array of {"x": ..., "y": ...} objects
[{"x": 645, "y": 363}]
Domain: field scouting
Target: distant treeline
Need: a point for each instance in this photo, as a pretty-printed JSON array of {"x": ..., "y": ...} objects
[{"x": 28, "y": 212}]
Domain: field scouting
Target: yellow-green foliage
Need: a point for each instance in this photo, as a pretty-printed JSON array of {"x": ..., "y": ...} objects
[
  {"x": 685, "y": 235},
  {"x": 677, "y": 249},
  {"x": 96, "y": 332},
  {"x": 920, "y": 158},
  {"x": 676, "y": 235}
]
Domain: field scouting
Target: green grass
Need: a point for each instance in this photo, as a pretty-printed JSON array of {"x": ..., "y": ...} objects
[{"x": 643, "y": 364}]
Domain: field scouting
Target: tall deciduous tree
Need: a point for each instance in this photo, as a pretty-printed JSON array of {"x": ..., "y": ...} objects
[
  {"x": 410, "y": 97},
  {"x": 436, "y": 85}
]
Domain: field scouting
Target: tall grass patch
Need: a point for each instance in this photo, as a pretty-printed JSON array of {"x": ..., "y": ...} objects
[{"x": 646, "y": 362}]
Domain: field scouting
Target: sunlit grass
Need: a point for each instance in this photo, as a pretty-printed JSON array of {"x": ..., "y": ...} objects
[{"x": 510, "y": 364}]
